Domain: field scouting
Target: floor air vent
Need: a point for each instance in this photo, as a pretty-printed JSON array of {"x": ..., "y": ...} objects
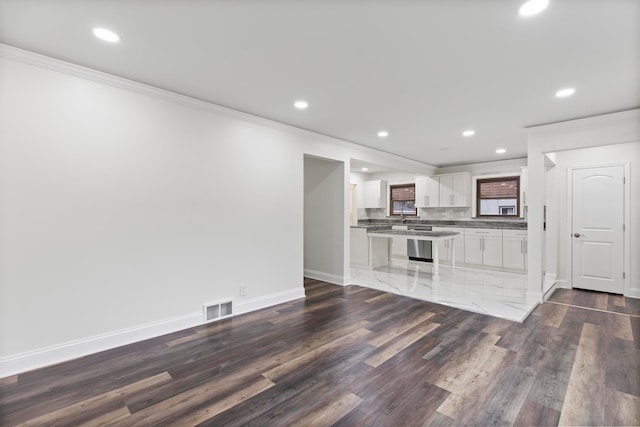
[{"x": 217, "y": 310}]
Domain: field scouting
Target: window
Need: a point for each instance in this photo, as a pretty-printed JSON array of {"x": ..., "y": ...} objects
[
  {"x": 403, "y": 200},
  {"x": 498, "y": 196}
]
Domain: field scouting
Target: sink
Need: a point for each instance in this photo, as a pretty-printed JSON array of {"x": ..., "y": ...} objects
[{"x": 420, "y": 227}]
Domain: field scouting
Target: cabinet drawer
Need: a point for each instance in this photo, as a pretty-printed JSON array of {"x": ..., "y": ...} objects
[
  {"x": 514, "y": 233},
  {"x": 482, "y": 232}
]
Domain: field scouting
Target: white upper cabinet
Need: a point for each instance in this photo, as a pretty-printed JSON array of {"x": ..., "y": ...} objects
[
  {"x": 455, "y": 190},
  {"x": 375, "y": 194},
  {"x": 524, "y": 182},
  {"x": 427, "y": 192}
]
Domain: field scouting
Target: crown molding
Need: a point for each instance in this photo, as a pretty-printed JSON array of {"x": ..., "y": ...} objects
[
  {"x": 53, "y": 64},
  {"x": 633, "y": 114}
]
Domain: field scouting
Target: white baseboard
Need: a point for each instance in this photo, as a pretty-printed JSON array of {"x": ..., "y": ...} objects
[
  {"x": 549, "y": 292},
  {"x": 51, "y": 355},
  {"x": 535, "y": 296},
  {"x": 562, "y": 283},
  {"x": 27, "y": 361},
  {"x": 268, "y": 300},
  {"x": 326, "y": 277},
  {"x": 633, "y": 293}
]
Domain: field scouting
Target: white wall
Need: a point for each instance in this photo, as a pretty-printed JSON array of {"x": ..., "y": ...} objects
[
  {"x": 552, "y": 202},
  {"x": 600, "y": 131},
  {"x": 591, "y": 157},
  {"x": 323, "y": 220},
  {"x": 118, "y": 219}
]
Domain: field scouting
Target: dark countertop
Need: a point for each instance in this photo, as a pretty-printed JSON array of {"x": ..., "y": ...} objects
[
  {"x": 413, "y": 232},
  {"x": 466, "y": 223}
]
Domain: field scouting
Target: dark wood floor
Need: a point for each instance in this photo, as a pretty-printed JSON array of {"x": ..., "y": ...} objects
[
  {"x": 352, "y": 356},
  {"x": 597, "y": 301}
]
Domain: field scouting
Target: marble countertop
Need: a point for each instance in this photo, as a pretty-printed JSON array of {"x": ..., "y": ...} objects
[
  {"x": 413, "y": 232},
  {"x": 466, "y": 223}
]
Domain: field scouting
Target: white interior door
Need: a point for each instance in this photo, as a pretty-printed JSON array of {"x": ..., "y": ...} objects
[{"x": 597, "y": 229}]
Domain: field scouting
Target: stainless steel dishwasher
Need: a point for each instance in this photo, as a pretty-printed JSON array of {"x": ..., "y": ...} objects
[{"x": 419, "y": 250}]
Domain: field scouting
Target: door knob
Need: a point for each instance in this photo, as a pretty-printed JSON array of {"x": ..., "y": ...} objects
[{"x": 576, "y": 234}]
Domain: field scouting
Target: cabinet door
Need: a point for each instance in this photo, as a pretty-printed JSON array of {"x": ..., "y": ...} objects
[
  {"x": 433, "y": 192},
  {"x": 492, "y": 251},
  {"x": 446, "y": 191},
  {"x": 399, "y": 247},
  {"x": 399, "y": 244},
  {"x": 458, "y": 244},
  {"x": 472, "y": 249},
  {"x": 513, "y": 252},
  {"x": 375, "y": 194},
  {"x": 359, "y": 247},
  {"x": 444, "y": 248},
  {"x": 524, "y": 183},
  {"x": 421, "y": 192},
  {"x": 443, "y": 251},
  {"x": 427, "y": 191},
  {"x": 461, "y": 190}
]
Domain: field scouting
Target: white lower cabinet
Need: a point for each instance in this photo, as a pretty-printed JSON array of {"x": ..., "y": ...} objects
[
  {"x": 359, "y": 247},
  {"x": 514, "y": 249},
  {"x": 399, "y": 244},
  {"x": 444, "y": 248},
  {"x": 483, "y": 247}
]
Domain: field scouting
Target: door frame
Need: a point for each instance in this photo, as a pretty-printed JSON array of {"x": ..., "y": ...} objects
[{"x": 626, "y": 234}]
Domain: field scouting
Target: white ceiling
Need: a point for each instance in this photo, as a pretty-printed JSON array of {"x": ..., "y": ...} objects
[{"x": 423, "y": 70}]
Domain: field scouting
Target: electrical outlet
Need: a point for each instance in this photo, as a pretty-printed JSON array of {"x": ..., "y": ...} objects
[{"x": 243, "y": 289}]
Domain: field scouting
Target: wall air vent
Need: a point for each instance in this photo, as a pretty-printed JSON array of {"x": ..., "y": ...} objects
[{"x": 217, "y": 310}]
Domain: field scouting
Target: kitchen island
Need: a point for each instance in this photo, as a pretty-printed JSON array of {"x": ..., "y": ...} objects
[{"x": 380, "y": 245}]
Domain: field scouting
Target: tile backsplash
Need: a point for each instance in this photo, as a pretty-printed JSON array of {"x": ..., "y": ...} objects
[
  {"x": 445, "y": 213},
  {"x": 431, "y": 213}
]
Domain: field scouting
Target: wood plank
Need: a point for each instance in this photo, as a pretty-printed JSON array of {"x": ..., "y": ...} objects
[
  {"x": 617, "y": 300},
  {"x": 587, "y": 380},
  {"x": 619, "y": 326},
  {"x": 534, "y": 414},
  {"x": 399, "y": 329},
  {"x": 68, "y": 415},
  {"x": 209, "y": 411},
  {"x": 438, "y": 419},
  {"x": 553, "y": 314},
  {"x": 622, "y": 409},
  {"x": 388, "y": 351},
  {"x": 8, "y": 381},
  {"x": 331, "y": 412},
  {"x": 470, "y": 379},
  {"x": 314, "y": 353}
]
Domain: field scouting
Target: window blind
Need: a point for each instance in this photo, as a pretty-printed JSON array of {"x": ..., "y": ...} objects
[
  {"x": 403, "y": 193},
  {"x": 498, "y": 189}
]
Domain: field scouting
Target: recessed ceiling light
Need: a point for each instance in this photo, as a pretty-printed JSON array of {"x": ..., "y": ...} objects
[
  {"x": 106, "y": 35},
  {"x": 563, "y": 93},
  {"x": 300, "y": 105},
  {"x": 365, "y": 169},
  {"x": 501, "y": 151},
  {"x": 533, "y": 7},
  {"x": 469, "y": 132},
  {"x": 383, "y": 134}
]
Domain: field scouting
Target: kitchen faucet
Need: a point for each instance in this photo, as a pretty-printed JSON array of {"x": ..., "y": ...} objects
[{"x": 402, "y": 218}]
